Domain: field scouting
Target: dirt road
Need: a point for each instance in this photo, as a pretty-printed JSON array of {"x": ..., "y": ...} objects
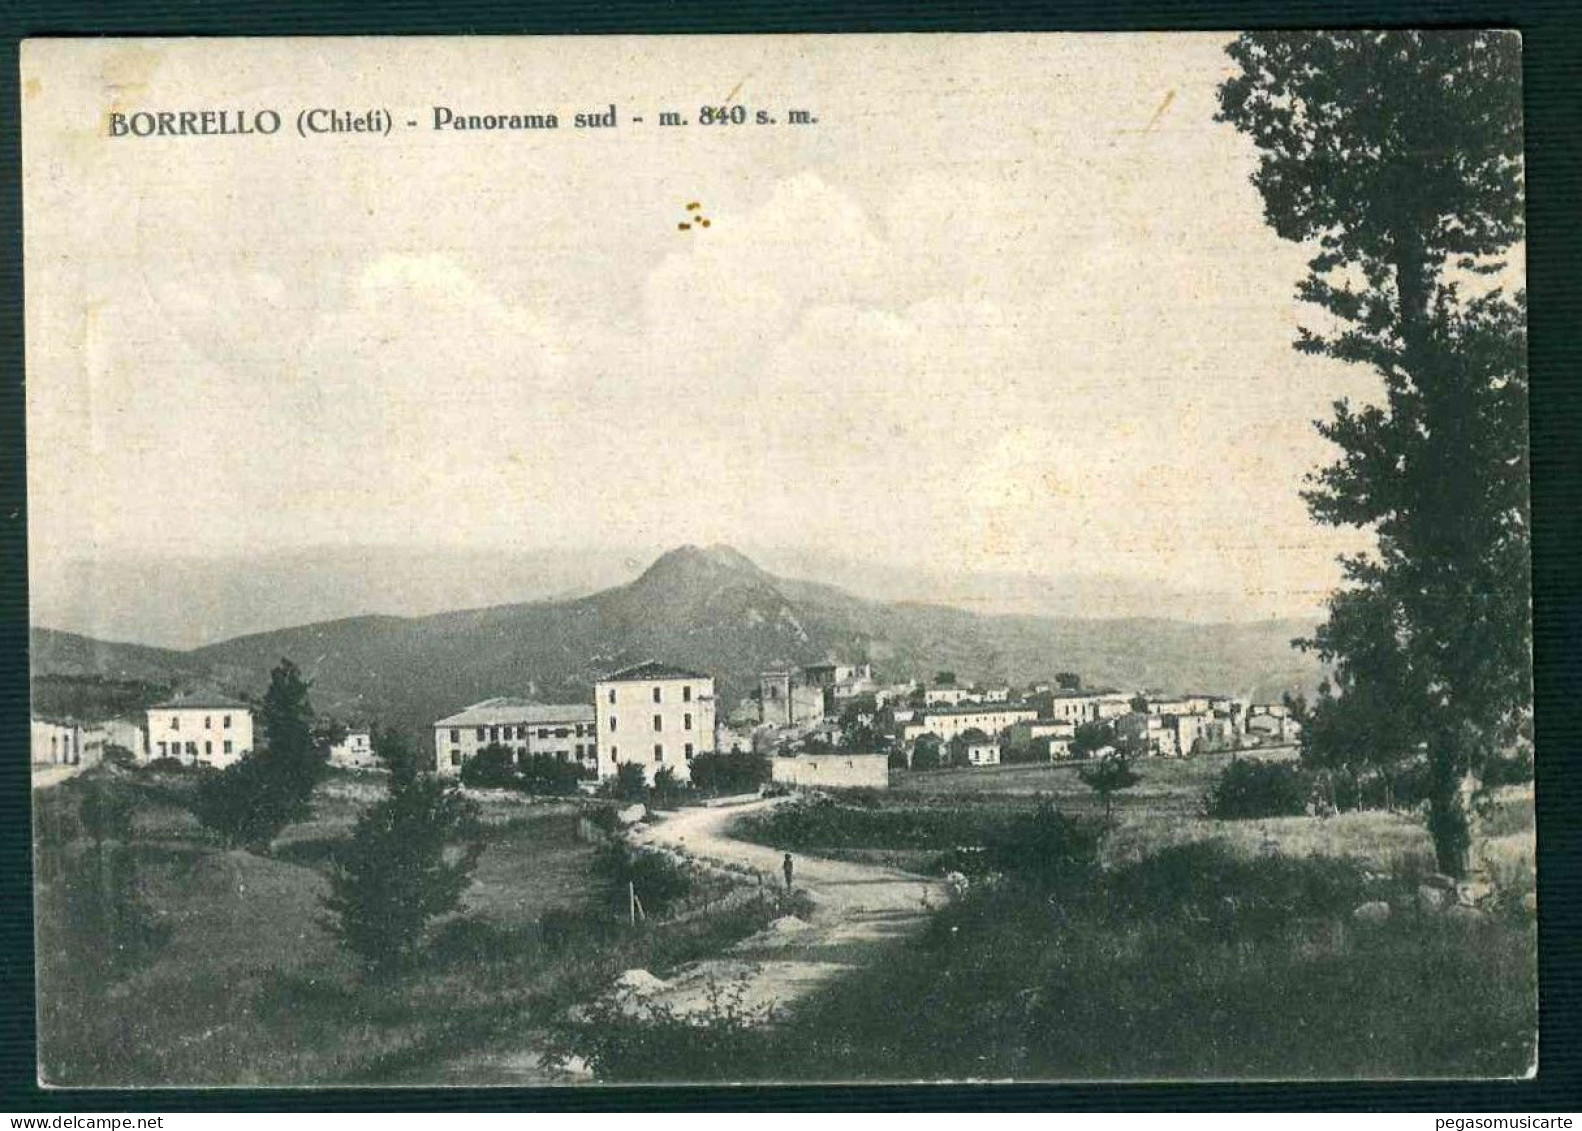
[{"x": 857, "y": 909}]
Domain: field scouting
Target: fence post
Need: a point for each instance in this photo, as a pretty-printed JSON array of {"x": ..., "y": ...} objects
[{"x": 631, "y": 901}]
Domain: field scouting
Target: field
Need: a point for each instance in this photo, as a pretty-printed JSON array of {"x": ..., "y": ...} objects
[
  {"x": 1166, "y": 945},
  {"x": 168, "y": 960},
  {"x": 1190, "y": 948}
]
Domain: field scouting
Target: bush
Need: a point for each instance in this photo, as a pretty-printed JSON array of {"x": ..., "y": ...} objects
[
  {"x": 245, "y": 803},
  {"x": 398, "y": 871},
  {"x": 723, "y": 1041},
  {"x": 667, "y": 790},
  {"x": 658, "y": 880},
  {"x": 547, "y": 775},
  {"x": 630, "y": 783},
  {"x": 928, "y": 753},
  {"x": 167, "y": 765},
  {"x": 823, "y": 821},
  {"x": 1248, "y": 789},
  {"x": 1509, "y": 769},
  {"x": 493, "y": 767},
  {"x": 120, "y": 757},
  {"x": 740, "y": 772},
  {"x": 1211, "y": 888},
  {"x": 1045, "y": 847}
]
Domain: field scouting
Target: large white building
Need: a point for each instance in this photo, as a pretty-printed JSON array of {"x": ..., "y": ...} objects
[
  {"x": 523, "y": 726},
  {"x": 201, "y": 729},
  {"x": 654, "y": 715}
]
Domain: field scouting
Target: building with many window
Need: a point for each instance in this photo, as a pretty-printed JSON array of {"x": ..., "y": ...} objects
[
  {"x": 200, "y": 729},
  {"x": 948, "y": 722},
  {"x": 655, "y": 715},
  {"x": 525, "y": 727}
]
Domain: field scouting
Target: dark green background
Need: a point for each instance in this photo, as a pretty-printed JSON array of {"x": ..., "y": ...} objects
[{"x": 1553, "y": 73}]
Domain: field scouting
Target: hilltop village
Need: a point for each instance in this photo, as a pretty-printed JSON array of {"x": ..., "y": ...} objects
[{"x": 838, "y": 724}]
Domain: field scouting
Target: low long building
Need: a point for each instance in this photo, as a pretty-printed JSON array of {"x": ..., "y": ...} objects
[
  {"x": 523, "y": 726},
  {"x": 1085, "y": 706},
  {"x": 948, "y": 722}
]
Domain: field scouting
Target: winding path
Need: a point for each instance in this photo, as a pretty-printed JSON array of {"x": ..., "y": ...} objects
[{"x": 857, "y": 910}]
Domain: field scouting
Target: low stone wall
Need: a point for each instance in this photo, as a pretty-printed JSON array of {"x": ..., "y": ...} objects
[{"x": 834, "y": 771}]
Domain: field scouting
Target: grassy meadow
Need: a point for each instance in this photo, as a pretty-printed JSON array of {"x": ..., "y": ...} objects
[
  {"x": 165, "y": 959},
  {"x": 1170, "y": 946}
]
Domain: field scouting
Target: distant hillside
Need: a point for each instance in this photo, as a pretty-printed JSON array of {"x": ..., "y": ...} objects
[
  {"x": 129, "y": 597},
  {"x": 711, "y": 609}
]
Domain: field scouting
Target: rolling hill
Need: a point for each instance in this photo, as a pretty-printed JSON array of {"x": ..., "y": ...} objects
[{"x": 708, "y": 608}]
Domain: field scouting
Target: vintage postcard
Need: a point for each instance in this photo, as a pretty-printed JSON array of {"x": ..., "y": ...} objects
[{"x": 788, "y": 558}]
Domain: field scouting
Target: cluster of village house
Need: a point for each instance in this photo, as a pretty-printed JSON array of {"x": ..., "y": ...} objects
[{"x": 659, "y": 716}]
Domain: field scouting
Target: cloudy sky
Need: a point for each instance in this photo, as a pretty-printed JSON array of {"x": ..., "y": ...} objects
[{"x": 1009, "y": 306}]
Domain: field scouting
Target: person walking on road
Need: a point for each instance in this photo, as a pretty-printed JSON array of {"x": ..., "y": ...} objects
[{"x": 786, "y": 868}]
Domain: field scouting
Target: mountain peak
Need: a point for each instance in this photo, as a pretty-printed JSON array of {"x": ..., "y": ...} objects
[{"x": 716, "y": 561}]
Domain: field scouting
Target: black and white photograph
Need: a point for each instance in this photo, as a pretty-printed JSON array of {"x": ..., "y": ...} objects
[{"x": 587, "y": 561}]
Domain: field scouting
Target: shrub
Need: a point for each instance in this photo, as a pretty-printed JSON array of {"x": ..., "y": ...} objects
[
  {"x": 861, "y": 797},
  {"x": 928, "y": 753},
  {"x": 823, "y": 821},
  {"x": 735, "y": 772},
  {"x": 1045, "y": 847},
  {"x": 395, "y": 753},
  {"x": 667, "y": 789},
  {"x": 1208, "y": 885},
  {"x": 167, "y": 765},
  {"x": 398, "y": 871},
  {"x": 120, "y": 757},
  {"x": 1248, "y": 788},
  {"x": 658, "y": 880},
  {"x": 245, "y": 803},
  {"x": 630, "y": 783},
  {"x": 1510, "y": 769},
  {"x": 548, "y": 775},
  {"x": 724, "y": 1040},
  {"x": 493, "y": 767}
]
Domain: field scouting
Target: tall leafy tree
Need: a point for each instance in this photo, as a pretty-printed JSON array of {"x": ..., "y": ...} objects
[
  {"x": 1397, "y": 157},
  {"x": 249, "y": 802},
  {"x": 293, "y": 752}
]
